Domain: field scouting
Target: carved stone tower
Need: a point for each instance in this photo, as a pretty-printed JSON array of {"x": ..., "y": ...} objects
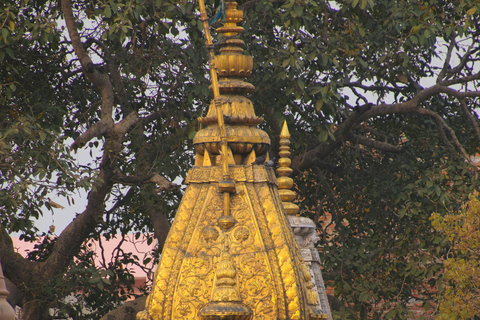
[
  {"x": 230, "y": 253},
  {"x": 303, "y": 228}
]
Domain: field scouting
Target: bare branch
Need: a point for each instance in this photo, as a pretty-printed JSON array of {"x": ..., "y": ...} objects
[
  {"x": 371, "y": 130},
  {"x": 131, "y": 180},
  {"x": 463, "y": 62},
  {"x": 123, "y": 126},
  {"x": 359, "y": 85},
  {"x": 15, "y": 266},
  {"x": 162, "y": 182},
  {"x": 375, "y": 144},
  {"x": 100, "y": 80},
  {"x": 360, "y": 115},
  {"x": 466, "y": 79},
  {"x": 443, "y": 136},
  {"x": 471, "y": 118},
  {"x": 446, "y": 64},
  {"x": 96, "y": 130},
  {"x": 435, "y": 116},
  {"x": 69, "y": 241}
]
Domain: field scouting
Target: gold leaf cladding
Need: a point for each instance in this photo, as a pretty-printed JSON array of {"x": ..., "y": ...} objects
[
  {"x": 241, "y": 234},
  {"x": 185, "y": 310},
  {"x": 204, "y": 244},
  {"x": 265, "y": 310},
  {"x": 278, "y": 296},
  {"x": 265, "y": 270},
  {"x": 239, "y": 207},
  {"x": 283, "y": 244},
  {"x": 160, "y": 306}
]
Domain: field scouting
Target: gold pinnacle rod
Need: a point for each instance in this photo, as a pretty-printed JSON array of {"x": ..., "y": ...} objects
[
  {"x": 226, "y": 204},
  {"x": 216, "y": 94},
  {"x": 216, "y": 90}
]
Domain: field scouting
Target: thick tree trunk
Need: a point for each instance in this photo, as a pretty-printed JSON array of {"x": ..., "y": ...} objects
[
  {"x": 127, "y": 311},
  {"x": 33, "y": 310}
]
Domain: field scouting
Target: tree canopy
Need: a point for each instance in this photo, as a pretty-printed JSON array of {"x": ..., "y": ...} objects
[
  {"x": 460, "y": 277},
  {"x": 380, "y": 98}
]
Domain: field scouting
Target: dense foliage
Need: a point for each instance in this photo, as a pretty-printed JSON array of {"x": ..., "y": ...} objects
[
  {"x": 380, "y": 97},
  {"x": 460, "y": 279}
]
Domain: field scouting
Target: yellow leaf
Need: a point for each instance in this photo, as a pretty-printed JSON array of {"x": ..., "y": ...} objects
[
  {"x": 12, "y": 25},
  {"x": 416, "y": 29},
  {"x": 55, "y": 205},
  {"x": 471, "y": 11},
  {"x": 403, "y": 78}
]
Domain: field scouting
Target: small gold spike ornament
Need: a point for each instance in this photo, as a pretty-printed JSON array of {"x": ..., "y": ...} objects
[{"x": 285, "y": 183}]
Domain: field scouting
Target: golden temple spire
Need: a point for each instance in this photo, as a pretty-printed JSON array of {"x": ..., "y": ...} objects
[
  {"x": 285, "y": 183},
  {"x": 230, "y": 253}
]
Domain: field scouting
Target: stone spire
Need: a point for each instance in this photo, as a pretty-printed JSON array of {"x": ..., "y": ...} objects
[
  {"x": 230, "y": 253},
  {"x": 6, "y": 310},
  {"x": 304, "y": 230}
]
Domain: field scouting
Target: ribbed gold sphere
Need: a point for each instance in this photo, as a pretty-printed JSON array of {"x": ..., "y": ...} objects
[{"x": 234, "y": 65}]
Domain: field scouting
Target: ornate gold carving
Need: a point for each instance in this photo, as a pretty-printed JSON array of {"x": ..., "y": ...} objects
[
  {"x": 225, "y": 283},
  {"x": 234, "y": 65},
  {"x": 226, "y": 222},
  {"x": 210, "y": 234},
  {"x": 237, "y": 173},
  {"x": 241, "y": 234},
  {"x": 230, "y": 253}
]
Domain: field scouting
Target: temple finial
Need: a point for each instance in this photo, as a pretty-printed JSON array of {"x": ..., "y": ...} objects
[{"x": 285, "y": 183}]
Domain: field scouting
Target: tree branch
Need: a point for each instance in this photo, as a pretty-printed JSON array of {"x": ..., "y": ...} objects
[
  {"x": 446, "y": 64},
  {"x": 101, "y": 81},
  {"x": 70, "y": 240},
  {"x": 98, "y": 129},
  {"x": 435, "y": 116},
  {"x": 162, "y": 182},
  {"x": 472, "y": 119},
  {"x": 374, "y": 143},
  {"x": 15, "y": 266},
  {"x": 369, "y": 111}
]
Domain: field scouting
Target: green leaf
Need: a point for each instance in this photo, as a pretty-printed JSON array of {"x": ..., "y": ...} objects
[
  {"x": 324, "y": 59},
  {"x": 354, "y": 3},
  {"x": 361, "y": 31},
  {"x": 324, "y": 91},
  {"x": 364, "y": 295},
  {"x": 301, "y": 84},
  {"x": 390, "y": 314},
  {"x": 298, "y": 10},
  {"x": 315, "y": 90},
  {"x": 426, "y": 33},
  {"x": 108, "y": 12},
  {"x": 322, "y": 136},
  {"x": 5, "y": 34},
  {"x": 363, "y": 4}
]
